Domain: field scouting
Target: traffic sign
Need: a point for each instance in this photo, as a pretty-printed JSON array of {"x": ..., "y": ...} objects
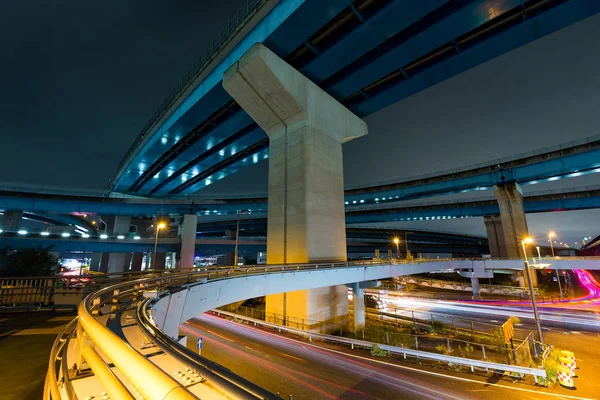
[{"x": 199, "y": 345}]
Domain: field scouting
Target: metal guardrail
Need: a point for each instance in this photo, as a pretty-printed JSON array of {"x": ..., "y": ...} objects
[
  {"x": 217, "y": 375},
  {"x": 150, "y": 380},
  {"x": 456, "y": 285},
  {"x": 485, "y": 365}
]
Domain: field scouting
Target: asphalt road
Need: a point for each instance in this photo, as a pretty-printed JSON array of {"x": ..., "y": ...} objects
[{"x": 307, "y": 371}]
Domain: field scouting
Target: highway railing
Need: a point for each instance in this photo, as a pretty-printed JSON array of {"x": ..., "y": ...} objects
[
  {"x": 217, "y": 375},
  {"x": 147, "y": 377},
  {"x": 138, "y": 371},
  {"x": 457, "y": 285},
  {"x": 61, "y": 290},
  {"x": 405, "y": 352}
]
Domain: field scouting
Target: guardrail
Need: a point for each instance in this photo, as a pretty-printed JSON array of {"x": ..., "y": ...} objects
[
  {"x": 61, "y": 290},
  {"x": 485, "y": 365},
  {"x": 464, "y": 286},
  {"x": 145, "y": 376},
  {"x": 148, "y": 378}
]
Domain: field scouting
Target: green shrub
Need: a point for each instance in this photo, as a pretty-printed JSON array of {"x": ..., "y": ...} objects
[
  {"x": 378, "y": 351},
  {"x": 442, "y": 348},
  {"x": 465, "y": 352}
]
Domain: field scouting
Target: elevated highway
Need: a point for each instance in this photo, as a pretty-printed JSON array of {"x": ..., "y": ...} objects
[
  {"x": 54, "y": 204},
  {"x": 365, "y": 54}
]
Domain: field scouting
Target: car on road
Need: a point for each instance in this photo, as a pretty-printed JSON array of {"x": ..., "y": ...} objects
[{"x": 372, "y": 301}]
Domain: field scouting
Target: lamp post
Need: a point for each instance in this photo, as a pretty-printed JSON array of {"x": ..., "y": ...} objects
[
  {"x": 406, "y": 243},
  {"x": 396, "y": 241},
  {"x": 159, "y": 226},
  {"x": 550, "y": 236},
  {"x": 525, "y": 241},
  {"x": 237, "y": 235}
]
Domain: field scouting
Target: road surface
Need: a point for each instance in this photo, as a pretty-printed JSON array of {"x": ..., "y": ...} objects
[{"x": 306, "y": 371}]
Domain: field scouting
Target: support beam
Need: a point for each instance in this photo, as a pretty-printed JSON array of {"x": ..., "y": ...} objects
[
  {"x": 306, "y": 128},
  {"x": 495, "y": 235},
  {"x": 117, "y": 262},
  {"x": 161, "y": 259},
  {"x": 512, "y": 216},
  {"x": 188, "y": 240},
  {"x": 476, "y": 288},
  {"x": 136, "y": 261},
  {"x": 95, "y": 262}
]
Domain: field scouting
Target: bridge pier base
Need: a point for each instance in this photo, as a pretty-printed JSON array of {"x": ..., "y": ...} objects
[
  {"x": 188, "y": 241},
  {"x": 306, "y": 127}
]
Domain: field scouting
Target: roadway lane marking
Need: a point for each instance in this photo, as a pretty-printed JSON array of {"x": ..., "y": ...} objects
[
  {"x": 295, "y": 358},
  {"x": 451, "y": 376},
  {"x": 251, "y": 349},
  {"x": 221, "y": 336}
]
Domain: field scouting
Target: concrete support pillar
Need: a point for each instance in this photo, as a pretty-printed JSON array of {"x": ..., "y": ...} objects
[
  {"x": 160, "y": 261},
  {"x": 358, "y": 303},
  {"x": 512, "y": 216},
  {"x": 495, "y": 235},
  {"x": 121, "y": 226},
  {"x": 306, "y": 128},
  {"x": 136, "y": 261},
  {"x": 117, "y": 262},
  {"x": 95, "y": 261},
  {"x": 188, "y": 240},
  {"x": 476, "y": 288},
  {"x": 12, "y": 220}
]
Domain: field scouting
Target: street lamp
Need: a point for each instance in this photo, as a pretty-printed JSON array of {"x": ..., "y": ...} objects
[
  {"x": 525, "y": 241},
  {"x": 159, "y": 226},
  {"x": 396, "y": 241},
  {"x": 237, "y": 235},
  {"x": 552, "y": 235}
]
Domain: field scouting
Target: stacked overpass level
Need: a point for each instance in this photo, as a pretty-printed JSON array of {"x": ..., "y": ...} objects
[
  {"x": 366, "y": 54},
  {"x": 571, "y": 199}
]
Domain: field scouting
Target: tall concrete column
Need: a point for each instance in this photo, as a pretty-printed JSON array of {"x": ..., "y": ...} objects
[
  {"x": 117, "y": 262},
  {"x": 476, "y": 288},
  {"x": 188, "y": 240},
  {"x": 160, "y": 261},
  {"x": 306, "y": 128},
  {"x": 512, "y": 216},
  {"x": 95, "y": 261},
  {"x": 358, "y": 303},
  {"x": 136, "y": 261},
  {"x": 495, "y": 235},
  {"x": 12, "y": 220}
]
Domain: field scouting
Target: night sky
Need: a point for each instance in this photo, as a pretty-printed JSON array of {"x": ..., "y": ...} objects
[{"x": 80, "y": 79}]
